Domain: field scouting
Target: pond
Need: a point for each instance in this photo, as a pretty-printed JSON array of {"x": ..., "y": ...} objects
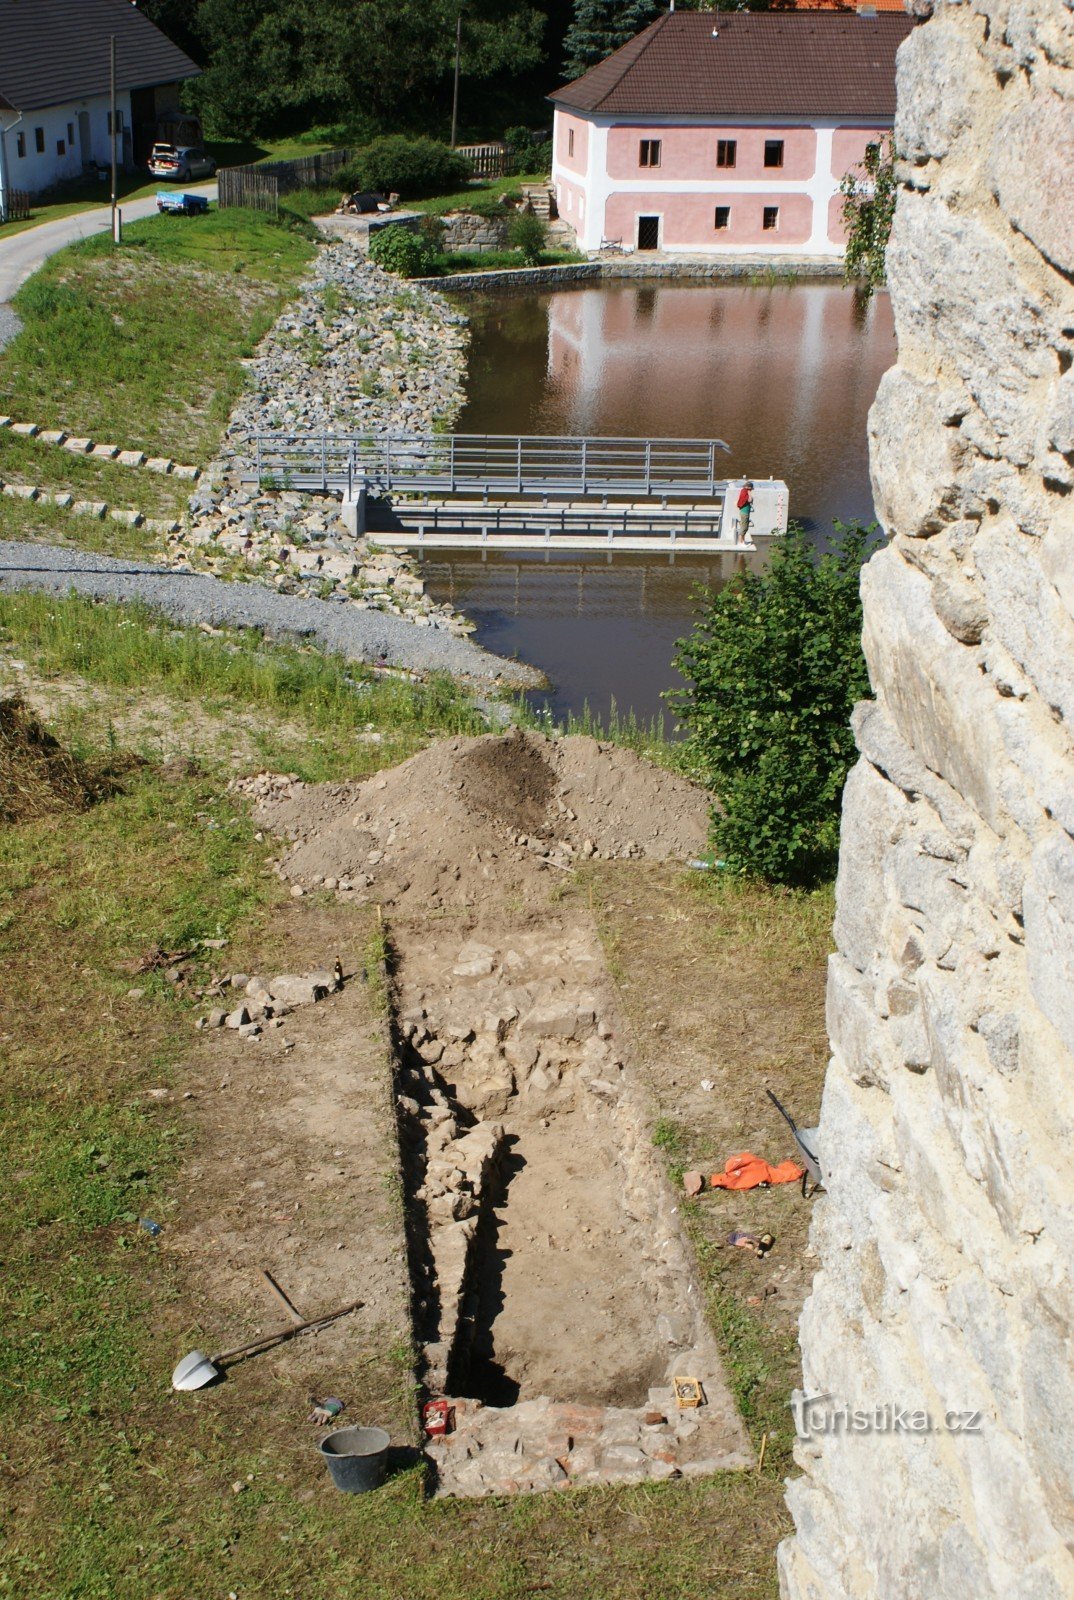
[{"x": 784, "y": 375}]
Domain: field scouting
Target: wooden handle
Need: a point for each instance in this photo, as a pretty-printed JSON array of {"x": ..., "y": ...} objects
[
  {"x": 292, "y": 1311},
  {"x": 271, "y": 1339}
]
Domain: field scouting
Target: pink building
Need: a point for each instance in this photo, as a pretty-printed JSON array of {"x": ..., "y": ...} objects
[{"x": 726, "y": 133}]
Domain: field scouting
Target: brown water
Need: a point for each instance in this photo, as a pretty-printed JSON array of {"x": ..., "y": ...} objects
[{"x": 785, "y": 376}]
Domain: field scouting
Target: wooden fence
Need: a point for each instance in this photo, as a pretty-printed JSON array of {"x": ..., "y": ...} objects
[
  {"x": 260, "y": 187},
  {"x": 488, "y": 160},
  {"x": 16, "y": 206}
]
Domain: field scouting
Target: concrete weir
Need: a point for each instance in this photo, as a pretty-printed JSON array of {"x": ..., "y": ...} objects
[{"x": 555, "y": 1298}]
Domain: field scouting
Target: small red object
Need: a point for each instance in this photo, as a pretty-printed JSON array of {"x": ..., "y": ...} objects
[{"x": 437, "y": 1415}]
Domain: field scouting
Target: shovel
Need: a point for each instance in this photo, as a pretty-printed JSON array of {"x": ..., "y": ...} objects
[
  {"x": 197, "y": 1369},
  {"x": 806, "y": 1140}
]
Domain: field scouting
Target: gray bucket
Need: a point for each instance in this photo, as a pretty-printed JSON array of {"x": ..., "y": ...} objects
[{"x": 356, "y": 1458}]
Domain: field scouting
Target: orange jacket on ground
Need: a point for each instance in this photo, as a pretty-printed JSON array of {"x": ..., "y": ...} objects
[{"x": 747, "y": 1171}]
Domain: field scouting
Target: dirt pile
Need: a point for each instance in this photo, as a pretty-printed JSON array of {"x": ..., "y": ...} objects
[
  {"x": 472, "y": 812},
  {"x": 38, "y": 777}
]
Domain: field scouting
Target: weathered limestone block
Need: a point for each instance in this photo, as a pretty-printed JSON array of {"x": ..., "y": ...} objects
[
  {"x": 939, "y": 91},
  {"x": 1049, "y": 919},
  {"x": 1030, "y": 162},
  {"x": 932, "y": 688},
  {"x": 915, "y": 495},
  {"x": 962, "y": 305},
  {"x": 1027, "y": 614},
  {"x": 872, "y": 812}
]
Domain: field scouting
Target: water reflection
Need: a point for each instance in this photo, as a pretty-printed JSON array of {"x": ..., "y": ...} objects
[{"x": 784, "y": 375}]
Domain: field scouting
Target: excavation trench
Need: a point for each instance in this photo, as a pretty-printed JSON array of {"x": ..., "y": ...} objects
[{"x": 555, "y": 1300}]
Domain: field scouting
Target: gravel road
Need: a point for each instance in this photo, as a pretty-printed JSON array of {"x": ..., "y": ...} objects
[{"x": 370, "y": 636}]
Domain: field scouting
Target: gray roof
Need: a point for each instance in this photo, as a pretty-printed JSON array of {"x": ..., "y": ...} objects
[
  {"x": 52, "y": 51},
  {"x": 748, "y": 63}
]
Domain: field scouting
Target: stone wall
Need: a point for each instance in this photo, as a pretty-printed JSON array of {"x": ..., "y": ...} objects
[
  {"x": 947, "y": 1235},
  {"x": 467, "y": 230}
]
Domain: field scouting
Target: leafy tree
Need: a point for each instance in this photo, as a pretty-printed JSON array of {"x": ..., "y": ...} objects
[
  {"x": 774, "y": 666},
  {"x": 277, "y": 64},
  {"x": 869, "y": 195},
  {"x": 601, "y": 26}
]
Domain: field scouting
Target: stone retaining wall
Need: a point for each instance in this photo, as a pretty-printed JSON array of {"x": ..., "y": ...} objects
[
  {"x": 947, "y": 1236},
  {"x": 466, "y": 230},
  {"x": 629, "y": 267}
]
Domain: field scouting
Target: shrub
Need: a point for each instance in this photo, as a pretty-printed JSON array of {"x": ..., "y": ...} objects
[
  {"x": 410, "y": 167},
  {"x": 528, "y": 234},
  {"x": 397, "y": 249},
  {"x": 527, "y": 151},
  {"x": 869, "y": 196},
  {"x": 774, "y": 666}
]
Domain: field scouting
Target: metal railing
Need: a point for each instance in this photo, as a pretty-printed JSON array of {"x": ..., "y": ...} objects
[
  {"x": 491, "y": 464},
  {"x": 590, "y": 522}
]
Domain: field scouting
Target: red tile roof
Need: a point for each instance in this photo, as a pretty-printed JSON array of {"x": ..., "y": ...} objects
[{"x": 748, "y": 63}]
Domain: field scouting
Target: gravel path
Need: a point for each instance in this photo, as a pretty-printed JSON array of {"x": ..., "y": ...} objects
[
  {"x": 371, "y": 636},
  {"x": 9, "y": 325}
]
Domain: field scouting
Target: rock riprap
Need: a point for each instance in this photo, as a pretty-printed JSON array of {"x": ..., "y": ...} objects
[
  {"x": 359, "y": 351},
  {"x": 945, "y": 1297}
]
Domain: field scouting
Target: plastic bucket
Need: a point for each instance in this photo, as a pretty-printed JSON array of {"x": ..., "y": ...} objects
[{"x": 356, "y": 1458}]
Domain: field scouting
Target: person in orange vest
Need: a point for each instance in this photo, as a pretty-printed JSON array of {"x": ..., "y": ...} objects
[{"x": 745, "y": 509}]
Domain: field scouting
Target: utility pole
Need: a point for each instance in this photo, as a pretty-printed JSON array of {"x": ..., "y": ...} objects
[
  {"x": 455, "y": 96},
  {"x": 112, "y": 61}
]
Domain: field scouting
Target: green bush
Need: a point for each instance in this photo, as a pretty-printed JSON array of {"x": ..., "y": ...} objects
[
  {"x": 527, "y": 152},
  {"x": 528, "y": 234},
  {"x": 397, "y": 249},
  {"x": 774, "y": 666},
  {"x": 412, "y": 168}
]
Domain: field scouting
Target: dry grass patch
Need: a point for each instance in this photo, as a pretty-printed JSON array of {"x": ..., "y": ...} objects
[{"x": 724, "y": 984}]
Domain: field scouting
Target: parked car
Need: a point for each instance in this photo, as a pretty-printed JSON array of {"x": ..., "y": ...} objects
[{"x": 181, "y": 162}]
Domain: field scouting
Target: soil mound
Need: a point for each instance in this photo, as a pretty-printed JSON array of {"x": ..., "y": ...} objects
[
  {"x": 437, "y": 829},
  {"x": 37, "y": 776}
]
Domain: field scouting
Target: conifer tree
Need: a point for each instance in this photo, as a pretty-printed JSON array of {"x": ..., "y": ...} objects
[{"x": 601, "y": 26}]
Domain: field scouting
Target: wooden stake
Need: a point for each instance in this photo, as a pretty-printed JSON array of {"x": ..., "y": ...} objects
[{"x": 764, "y": 1447}]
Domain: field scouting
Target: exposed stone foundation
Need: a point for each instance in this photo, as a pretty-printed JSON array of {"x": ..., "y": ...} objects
[{"x": 947, "y": 1236}]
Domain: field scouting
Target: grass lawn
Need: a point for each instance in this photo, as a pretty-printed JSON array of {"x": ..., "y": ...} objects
[
  {"x": 320, "y": 717},
  {"x": 500, "y": 260},
  {"x": 483, "y": 197},
  {"x": 141, "y": 346},
  {"x": 116, "y": 1489},
  {"x": 24, "y": 460}
]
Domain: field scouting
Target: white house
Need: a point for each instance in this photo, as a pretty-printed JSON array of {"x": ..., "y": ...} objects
[
  {"x": 55, "y": 107},
  {"x": 726, "y": 133}
]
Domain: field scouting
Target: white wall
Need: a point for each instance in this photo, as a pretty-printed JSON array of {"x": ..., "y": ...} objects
[{"x": 37, "y": 170}]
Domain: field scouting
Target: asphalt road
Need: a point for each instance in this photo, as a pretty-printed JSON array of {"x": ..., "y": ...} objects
[{"x": 23, "y": 253}]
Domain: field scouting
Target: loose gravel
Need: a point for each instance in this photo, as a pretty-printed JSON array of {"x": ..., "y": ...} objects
[
  {"x": 190, "y": 599},
  {"x": 10, "y": 325}
]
